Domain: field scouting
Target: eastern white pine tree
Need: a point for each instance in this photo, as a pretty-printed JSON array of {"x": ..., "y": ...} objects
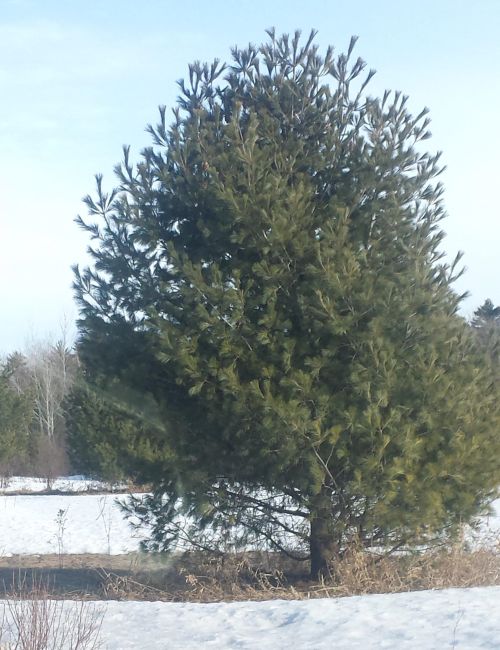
[{"x": 270, "y": 276}]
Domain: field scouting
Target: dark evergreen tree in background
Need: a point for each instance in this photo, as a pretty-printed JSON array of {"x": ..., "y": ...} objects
[
  {"x": 269, "y": 276},
  {"x": 486, "y": 325},
  {"x": 105, "y": 440},
  {"x": 15, "y": 417}
]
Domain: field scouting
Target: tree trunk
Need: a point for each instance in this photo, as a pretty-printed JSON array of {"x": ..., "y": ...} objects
[{"x": 322, "y": 542}]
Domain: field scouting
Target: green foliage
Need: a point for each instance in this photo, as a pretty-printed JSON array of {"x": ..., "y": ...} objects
[
  {"x": 15, "y": 416},
  {"x": 105, "y": 439},
  {"x": 486, "y": 314},
  {"x": 41, "y": 378},
  {"x": 270, "y": 273},
  {"x": 486, "y": 325}
]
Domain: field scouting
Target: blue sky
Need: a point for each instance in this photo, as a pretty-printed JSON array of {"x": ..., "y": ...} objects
[{"x": 81, "y": 78}]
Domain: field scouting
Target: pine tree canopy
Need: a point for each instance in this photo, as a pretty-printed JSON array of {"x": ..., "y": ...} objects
[{"x": 269, "y": 276}]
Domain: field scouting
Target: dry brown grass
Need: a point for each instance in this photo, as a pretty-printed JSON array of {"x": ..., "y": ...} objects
[
  {"x": 362, "y": 573},
  {"x": 198, "y": 577}
]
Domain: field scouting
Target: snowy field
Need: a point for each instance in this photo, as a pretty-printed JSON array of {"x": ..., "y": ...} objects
[
  {"x": 74, "y": 524},
  {"x": 467, "y": 619},
  {"x": 81, "y": 522}
]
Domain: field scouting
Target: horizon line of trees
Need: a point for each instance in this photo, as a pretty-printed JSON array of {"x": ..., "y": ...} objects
[{"x": 34, "y": 383}]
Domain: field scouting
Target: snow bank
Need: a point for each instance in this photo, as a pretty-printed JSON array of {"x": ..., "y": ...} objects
[{"x": 430, "y": 620}]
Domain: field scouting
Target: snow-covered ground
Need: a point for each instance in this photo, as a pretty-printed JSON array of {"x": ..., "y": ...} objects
[
  {"x": 467, "y": 619},
  {"x": 42, "y": 524},
  {"x": 91, "y": 523}
]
